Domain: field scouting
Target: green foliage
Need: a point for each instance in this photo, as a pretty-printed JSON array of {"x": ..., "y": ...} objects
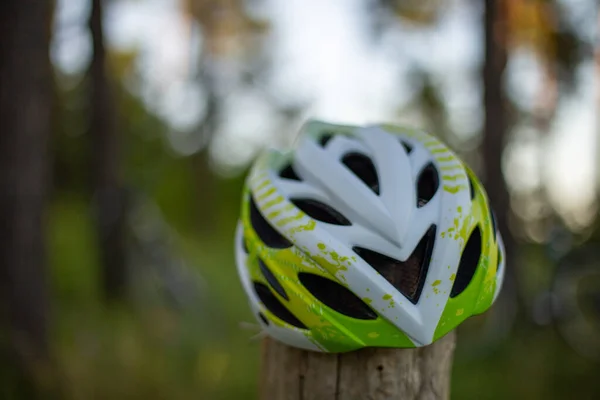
[
  {"x": 533, "y": 364},
  {"x": 148, "y": 349},
  {"x": 151, "y": 349},
  {"x": 73, "y": 253}
]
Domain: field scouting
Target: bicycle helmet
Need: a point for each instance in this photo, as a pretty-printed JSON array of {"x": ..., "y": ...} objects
[{"x": 375, "y": 236}]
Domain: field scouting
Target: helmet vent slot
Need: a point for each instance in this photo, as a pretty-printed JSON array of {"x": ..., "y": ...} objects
[
  {"x": 323, "y": 140},
  {"x": 406, "y": 146},
  {"x": 406, "y": 276},
  {"x": 321, "y": 211},
  {"x": 273, "y": 282},
  {"x": 494, "y": 224},
  {"x": 336, "y": 296},
  {"x": 267, "y": 234},
  {"x": 427, "y": 185},
  {"x": 263, "y": 318},
  {"x": 275, "y": 306},
  {"x": 499, "y": 261},
  {"x": 471, "y": 188},
  {"x": 468, "y": 263},
  {"x": 289, "y": 173},
  {"x": 363, "y": 168},
  {"x": 244, "y": 244}
]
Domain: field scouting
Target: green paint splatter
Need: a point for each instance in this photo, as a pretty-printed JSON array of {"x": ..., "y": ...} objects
[
  {"x": 262, "y": 185},
  {"x": 454, "y": 177},
  {"x": 454, "y": 189},
  {"x": 273, "y": 214},
  {"x": 451, "y": 167},
  {"x": 309, "y": 226},
  {"x": 266, "y": 194},
  {"x": 287, "y": 220},
  {"x": 437, "y": 282},
  {"x": 273, "y": 202}
]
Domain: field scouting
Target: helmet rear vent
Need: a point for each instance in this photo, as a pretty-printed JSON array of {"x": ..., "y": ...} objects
[
  {"x": 267, "y": 234},
  {"x": 323, "y": 140},
  {"x": 363, "y": 168},
  {"x": 406, "y": 146},
  {"x": 275, "y": 306},
  {"x": 406, "y": 276},
  {"x": 263, "y": 318},
  {"x": 499, "y": 261},
  {"x": 273, "y": 282},
  {"x": 427, "y": 185},
  {"x": 321, "y": 211},
  {"x": 244, "y": 244},
  {"x": 471, "y": 188},
  {"x": 468, "y": 263},
  {"x": 494, "y": 226},
  {"x": 336, "y": 296},
  {"x": 289, "y": 173}
]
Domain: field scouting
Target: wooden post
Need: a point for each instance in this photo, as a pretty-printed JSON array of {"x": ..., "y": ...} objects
[{"x": 368, "y": 374}]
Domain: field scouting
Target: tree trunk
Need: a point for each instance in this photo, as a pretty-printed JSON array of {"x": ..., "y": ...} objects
[
  {"x": 372, "y": 373},
  {"x": 109, "y": 194},
  {"x": 496, "y": 126},
  {"x": 25, "y": 124},
  {"x": 597, "y": 77}
]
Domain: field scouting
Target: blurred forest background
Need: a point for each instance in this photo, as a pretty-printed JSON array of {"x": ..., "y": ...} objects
[{"x": 126, "y": 128}]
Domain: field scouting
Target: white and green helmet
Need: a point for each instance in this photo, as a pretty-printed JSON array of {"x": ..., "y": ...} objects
[{"x": 365, "y": 236}]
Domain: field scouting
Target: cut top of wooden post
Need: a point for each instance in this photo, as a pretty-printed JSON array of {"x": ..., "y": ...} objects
[{"x": 373, "y": 373}]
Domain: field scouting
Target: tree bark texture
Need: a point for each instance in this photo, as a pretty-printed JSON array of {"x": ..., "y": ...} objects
[
  {"x": 25, "y": 126},
  {"x": 109, "y": 194},
  {"x": 496, "y": 126},
  {"x": 369, "y": 374},
  {"x": 495, "y": 123}
]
